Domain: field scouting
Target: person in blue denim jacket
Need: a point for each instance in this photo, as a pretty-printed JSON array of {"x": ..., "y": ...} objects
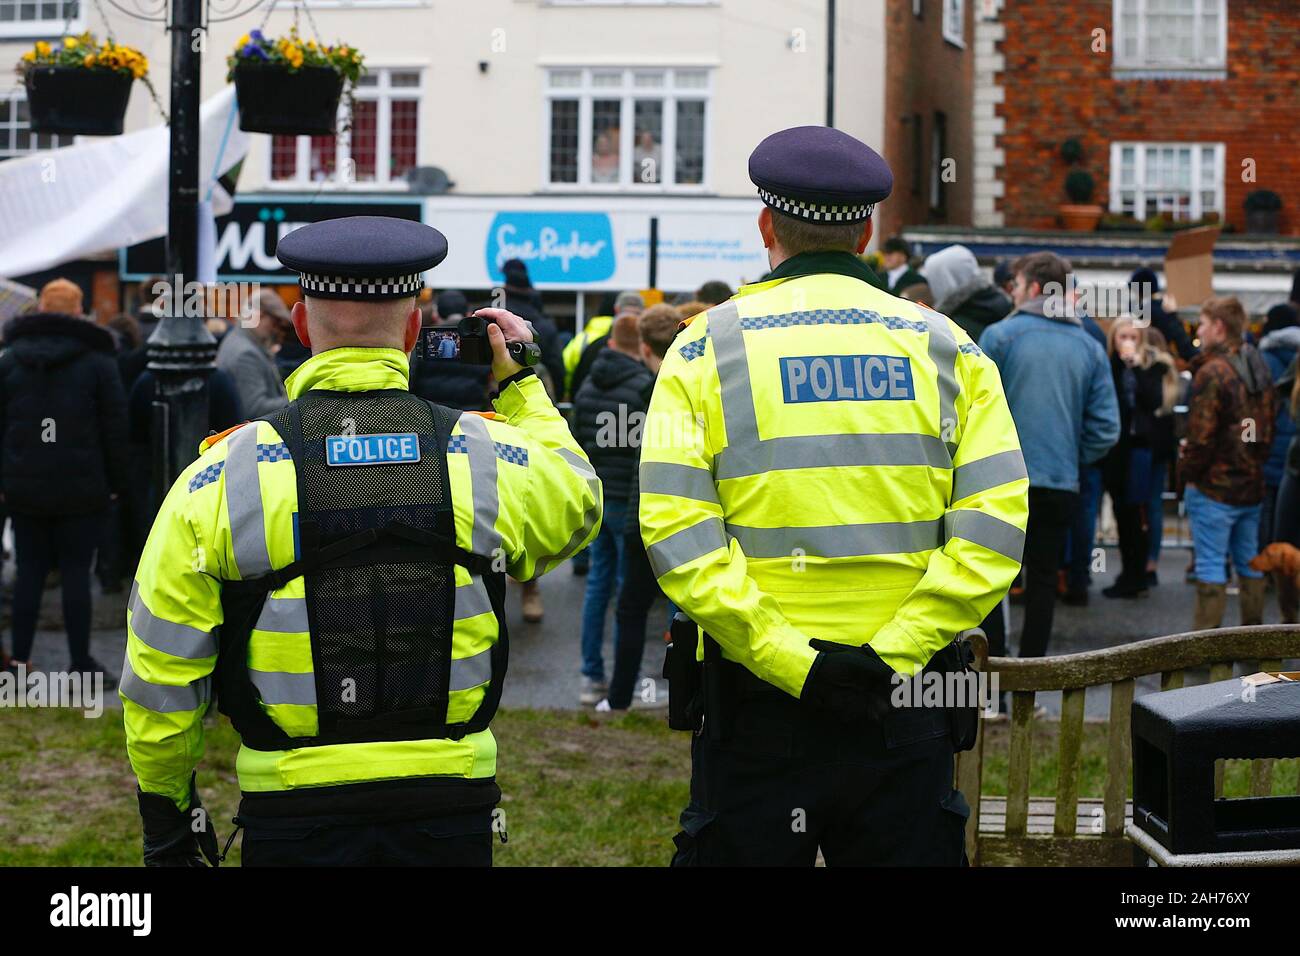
[{"x": 1062, "y": 396}]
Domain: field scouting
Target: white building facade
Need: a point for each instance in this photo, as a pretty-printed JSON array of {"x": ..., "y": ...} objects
[{"x": 564, "y": 126}]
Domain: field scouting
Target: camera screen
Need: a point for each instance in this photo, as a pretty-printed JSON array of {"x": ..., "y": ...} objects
[{"x": 443, "y": 344}]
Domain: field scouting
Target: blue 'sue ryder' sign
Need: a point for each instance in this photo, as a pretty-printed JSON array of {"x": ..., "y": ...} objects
[
  {"x": 846, "y": 378},
  {"x": 372, "y": 449},
  {"x": 562, "y": 247}
]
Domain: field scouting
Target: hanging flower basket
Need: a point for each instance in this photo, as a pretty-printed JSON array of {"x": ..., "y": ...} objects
[
  {"x": 290, "y": 87},
  {"x": 78, "y": 87}
]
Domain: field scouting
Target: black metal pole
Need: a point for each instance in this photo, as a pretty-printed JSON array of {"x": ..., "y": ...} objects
[
  {"x": 830, "y": 62},
  {"x": 654, "y": 252},
  {"x": 181, "y": 350}
]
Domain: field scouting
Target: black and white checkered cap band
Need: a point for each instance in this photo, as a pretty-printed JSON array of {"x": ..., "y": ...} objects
[
  {"x": 382, "y": 287},
  {"x": 817, "y": 212}
]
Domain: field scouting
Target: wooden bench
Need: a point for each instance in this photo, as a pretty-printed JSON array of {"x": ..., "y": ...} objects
[{"x": 1063, "y": 830}]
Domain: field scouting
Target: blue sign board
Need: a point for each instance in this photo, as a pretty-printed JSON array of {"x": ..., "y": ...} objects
[{"x": 563, "y": 247}]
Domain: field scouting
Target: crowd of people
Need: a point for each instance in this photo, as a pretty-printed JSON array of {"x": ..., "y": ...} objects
[{"x": 1095, "y": 404}]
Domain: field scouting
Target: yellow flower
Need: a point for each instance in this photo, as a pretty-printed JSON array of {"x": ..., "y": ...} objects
[
  {"x": 243, "y": 42},
  {"x": 89, "y": 60},
  {"x": 138, "y": 71},
  {"x": 69, "y": 43},
  {"x": 29, "y": 56},
  {"x": 42, "y": 48}
]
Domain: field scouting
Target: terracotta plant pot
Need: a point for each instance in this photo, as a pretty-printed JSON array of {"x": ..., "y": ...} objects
[
  {"x": 72, "y": 101},
  {"x": 274, "y": 100},
  {"x": 1080, "y": 218}
]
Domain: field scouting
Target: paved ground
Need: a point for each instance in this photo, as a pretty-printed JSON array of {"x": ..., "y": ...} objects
[{"x": 544, "y": 657}]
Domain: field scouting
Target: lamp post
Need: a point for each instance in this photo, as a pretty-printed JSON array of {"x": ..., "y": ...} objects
[{"x": 181, "y": 349}]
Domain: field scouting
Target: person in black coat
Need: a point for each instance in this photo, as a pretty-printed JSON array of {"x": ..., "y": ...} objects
[
  {"x": 608, "y": 415},
  {"x": 1127, "y": 469},
  {"x": 1164, "y": 315},
  {"x": 63, "y": 457},
  {"x": 525, "y": 301}
]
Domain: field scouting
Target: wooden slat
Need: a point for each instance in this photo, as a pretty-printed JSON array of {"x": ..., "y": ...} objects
[
  {"x": 1022, "y": 716},
  {"x": 1172, "y": 680},
  {"x": 969, "y": 773},
  {"x": 1042, "y": 816},
  {"x": 1119, "y": 755},
  {"x": 1175, "y": 652},
  {"x": 1067, "y": 775},
  {"x": 1055, "y": 851}
]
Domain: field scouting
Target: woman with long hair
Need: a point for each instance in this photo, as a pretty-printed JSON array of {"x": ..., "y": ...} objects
[{"x": 1145, "y": 385}]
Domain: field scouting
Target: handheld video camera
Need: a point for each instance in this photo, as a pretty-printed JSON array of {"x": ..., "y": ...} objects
[{"x": 468, "y": 343}]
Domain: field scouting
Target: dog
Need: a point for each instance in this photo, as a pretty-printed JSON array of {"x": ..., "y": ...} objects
[{"x": 1282, "y": 560}]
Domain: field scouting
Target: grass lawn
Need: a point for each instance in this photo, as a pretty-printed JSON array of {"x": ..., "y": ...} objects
[{"x": 576, "y": 791}]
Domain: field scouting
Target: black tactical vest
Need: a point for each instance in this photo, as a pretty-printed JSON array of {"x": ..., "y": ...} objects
[{"x": 376, "y": 545}]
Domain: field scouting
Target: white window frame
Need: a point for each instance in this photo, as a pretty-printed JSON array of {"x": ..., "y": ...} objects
[
  {"x": 954, "y": 22},
  {"x": 1143, "y": 61},
  {"x": 15, "y": 95},
  {"x": 384, "y": 93},
  {"x": 1196, "y": 209},
  {"x": 586, "y": 92},
  {"x": 45, "y": 29}
]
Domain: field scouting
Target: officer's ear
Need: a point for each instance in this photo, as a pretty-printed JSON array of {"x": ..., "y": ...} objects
[
  {"x": 865, "y": 238},
  {"x": 765, "y": 227},
  {"x": 298, "y": 316},
  {"x": 412, "y": 328}
]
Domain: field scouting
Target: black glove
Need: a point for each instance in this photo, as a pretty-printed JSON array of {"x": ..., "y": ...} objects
[
  {"x": 852, "y": 683},
  {"x": 174, "y": 837}
]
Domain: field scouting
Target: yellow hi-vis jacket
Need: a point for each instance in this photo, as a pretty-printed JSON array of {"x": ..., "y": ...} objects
[
  {"x": 597, "y": 327},
  {"x": 824, "y": 460},
  {"x": 230, "y": 515}
]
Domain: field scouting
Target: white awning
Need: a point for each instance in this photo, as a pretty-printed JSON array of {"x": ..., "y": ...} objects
[{"x": 105, "y": 193}]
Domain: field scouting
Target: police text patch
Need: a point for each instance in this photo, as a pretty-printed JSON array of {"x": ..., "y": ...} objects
[
  {"x": 846, "y": 378},
  {"x": 372, "y": 449}
]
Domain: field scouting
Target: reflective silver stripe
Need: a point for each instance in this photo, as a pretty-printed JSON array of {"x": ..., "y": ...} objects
[
  {"x": 943, "y": 353},
  {"x": 584, "y": 470},
  {"x": 686, "y": 545},
  {"x": 178, "y": 640},
  {"x": 282, "y": 687},
  {"x": 471, "y": 671},
  {"x": 681, "y": 481},
  {"x": 577, "y": 463},
  {"x": 831, "y": 451},
  {"x": 733, "y": 374},
  {"x": 283, "y": 616},
  {"x": 163, "y": 698},
  {"x": 483, "y": 481},
  {"x": 244, "y": 503},
  {"x": 986, "y": 531},
  {"x": 472, "y": 599},
  {"x": 839, "y": 541},
  {"x": 976, "y": 476}
]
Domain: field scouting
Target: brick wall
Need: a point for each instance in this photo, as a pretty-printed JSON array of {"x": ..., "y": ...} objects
[
  {"x": 925, "y": 74},
  {"x": 1056, "y": 88}
]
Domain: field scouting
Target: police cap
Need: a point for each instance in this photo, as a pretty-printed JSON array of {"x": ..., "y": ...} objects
[
  {"x": 819, "y": 174},
  {"x": 367, "y": 258}
]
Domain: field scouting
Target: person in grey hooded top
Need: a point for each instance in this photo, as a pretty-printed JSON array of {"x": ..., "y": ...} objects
[{"x": 962, "y": 292}]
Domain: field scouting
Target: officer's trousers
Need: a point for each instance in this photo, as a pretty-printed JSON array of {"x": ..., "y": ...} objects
[
  {"x": 420, "y": 822},
  {"x": 458, "y": 840},
  {"x": 774, "y": 780}
]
